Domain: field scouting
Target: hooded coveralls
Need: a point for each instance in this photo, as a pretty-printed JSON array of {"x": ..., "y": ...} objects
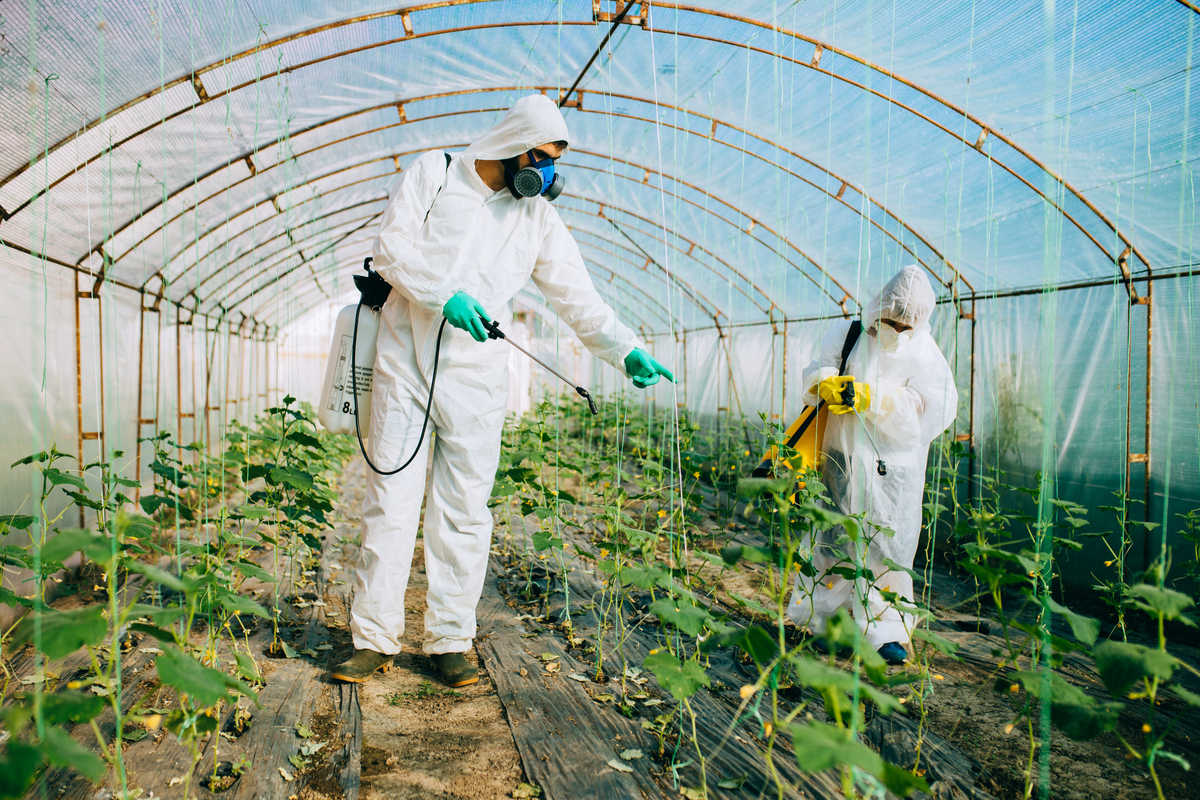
[
  {"x": 913, "y": 400},
  {"x": 488, "y": 244}
]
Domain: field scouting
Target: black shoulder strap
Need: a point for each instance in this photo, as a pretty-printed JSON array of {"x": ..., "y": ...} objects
[
  {"x": 851, "y": 339},
  {"x": 439, "y": 191}
]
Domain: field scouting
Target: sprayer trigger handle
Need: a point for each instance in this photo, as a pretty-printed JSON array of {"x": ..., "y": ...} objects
[{"x": 493, "y": 329}]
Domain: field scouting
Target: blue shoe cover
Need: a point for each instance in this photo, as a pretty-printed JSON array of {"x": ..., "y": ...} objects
[{"x": 893, "y": 653}]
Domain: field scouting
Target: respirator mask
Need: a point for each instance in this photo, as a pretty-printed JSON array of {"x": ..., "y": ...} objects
[
  {"x": 891, "y": 340},
  {"x": 537, "y": 179}
]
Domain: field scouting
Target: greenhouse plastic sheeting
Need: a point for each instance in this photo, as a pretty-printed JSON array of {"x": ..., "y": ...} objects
[{"x": 186, "y": 190}]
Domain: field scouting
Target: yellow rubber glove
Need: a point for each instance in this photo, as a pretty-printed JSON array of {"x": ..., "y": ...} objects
[
  {"x": 862, "y": 399},
  {"x": 830, "y": 389}
]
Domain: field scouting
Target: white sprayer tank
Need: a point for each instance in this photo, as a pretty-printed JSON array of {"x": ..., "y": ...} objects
[{"x": 336, "y": 411}]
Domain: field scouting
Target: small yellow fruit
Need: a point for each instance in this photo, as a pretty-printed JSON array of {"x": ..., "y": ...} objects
[{"x": 1014, "y": 688}]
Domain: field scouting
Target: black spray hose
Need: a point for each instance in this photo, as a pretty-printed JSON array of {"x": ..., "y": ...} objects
[{"x": 354, "y": 386}]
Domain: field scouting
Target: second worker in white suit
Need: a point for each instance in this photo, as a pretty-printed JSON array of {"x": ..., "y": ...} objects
[{"x": 458, "y": 237}]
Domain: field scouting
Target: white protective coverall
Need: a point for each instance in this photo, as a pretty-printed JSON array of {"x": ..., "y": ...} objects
[
  {"x": 488, "y": 244},
  {"x": 913, "y": 400}
]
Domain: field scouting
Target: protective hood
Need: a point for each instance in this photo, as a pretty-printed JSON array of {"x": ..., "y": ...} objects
[
  {"x": 533, "y": 120},
  {"x": 907, "y": 298}
]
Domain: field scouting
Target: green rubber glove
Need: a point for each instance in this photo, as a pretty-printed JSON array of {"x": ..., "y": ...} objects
[
  {"x": 644, "y": 369},
  {"x": 464, "y": 312}
]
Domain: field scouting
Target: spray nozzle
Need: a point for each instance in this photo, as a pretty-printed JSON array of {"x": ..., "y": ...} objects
[{"x": 591, "y": 403}]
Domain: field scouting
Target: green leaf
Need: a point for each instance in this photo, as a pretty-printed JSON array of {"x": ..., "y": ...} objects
[
  {"x": 753, "y": 605},
  {"x": 158, "y": 575},
  {"x": 820, "y": 746},
  {"x": 247, "y": 668},
  {"x": 237, "y": 604},
  {"x": 1085, "y": 629},
  {"x": 1077, "y": 714},
  {"x": 64, "y": 632},
  {"x": 160, "y": 615},
  {"x": 1191, "y": 697},
  {"x": 152, "y": 630},
  {"x": 63, "y": 751},
  {"x": 19, "y": 763},
  {"x": 306, "y": 439},
  {"x": 681, "y": 680},
  {"x": 19, "y": 522},
  {"x": 900, "y": 781},
  {"x": 1121, "y": 665},
  {"x": 68, "y": 706},
  {"x": 255, "y": 512},
  {"x": 292, "y": 477},
  {"x": 683, "y": 615},
  {"x": 754, "y": 555},
  {"x": 11, "y": 598},
  {"x": 252, "y": 570},
  {"x": 59, "y": 478},
  {"x": 203, "y": 684},
  {"x": 750, "y": 488},
  {"x": 169, "y": 473},
  {"x": 940, "y": 643},
  {"x": 1168, "y": 602},
  {"x": 732, "y": 783},
  {"x": 96, "y": 546},
  {"x": 753, "y": 640}
]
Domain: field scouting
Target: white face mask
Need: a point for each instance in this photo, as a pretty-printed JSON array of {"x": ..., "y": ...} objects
[{"x": 891, "y": 340}]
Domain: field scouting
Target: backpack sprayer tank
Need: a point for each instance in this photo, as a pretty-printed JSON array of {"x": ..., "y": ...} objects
[
  {"x": 353, "y": 349},
  {"x": 336, "y": 411}
]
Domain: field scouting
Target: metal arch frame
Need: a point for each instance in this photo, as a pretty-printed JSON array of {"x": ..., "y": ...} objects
[
  {"x": 352, "y": 167},
  {"x": 325, "y": 248},
  {"x": 985, "y": 130},
  {"x": 601, "y": 237},
  {"x": 819, "y": 47},
  {"x": 698, "y": 299},
  {"x": 296, "y": 244},
  {"x": 366, "y": 202},
  {"x": 649, "y": 303},
  {"x": 212, "y": 252},
  {"x": 753, "y": 220},
  {"x": 285, "y": 258},
  {"x": 276, "y": 278}
]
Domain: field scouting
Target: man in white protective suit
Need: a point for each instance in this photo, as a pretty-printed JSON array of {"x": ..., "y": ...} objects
[
  {"x": 905, "y": 395},
  {"x": 478, "y": 225}
]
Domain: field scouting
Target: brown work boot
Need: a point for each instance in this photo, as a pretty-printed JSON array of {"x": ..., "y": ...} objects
[
  {"x": 455, "y": 669},
  {"x": 362, "y": 665}
]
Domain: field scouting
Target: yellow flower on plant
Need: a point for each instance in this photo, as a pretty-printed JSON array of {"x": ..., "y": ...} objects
[
  {"x": 661, "y": 513},
  {"x": 1145, "y": 727},
  {"x": 697, "y": 474},
  {"x": 1108, "y": 563}
]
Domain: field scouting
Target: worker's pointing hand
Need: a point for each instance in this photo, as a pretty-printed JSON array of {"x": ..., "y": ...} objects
[
  {"x": 644, "y": 369},
  {"x": 464, "y": 312}
]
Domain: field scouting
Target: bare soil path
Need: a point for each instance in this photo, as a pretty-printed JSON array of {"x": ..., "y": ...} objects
[{"x": 421, "y": 739}]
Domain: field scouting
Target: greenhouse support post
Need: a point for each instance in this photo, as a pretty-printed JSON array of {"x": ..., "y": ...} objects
[{"x": 91, "y": 293}]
